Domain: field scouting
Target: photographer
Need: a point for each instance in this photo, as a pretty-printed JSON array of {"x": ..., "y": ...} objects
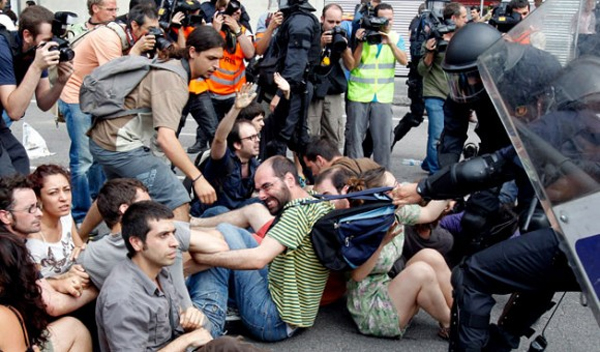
[
  {"x": 326, "y": 111},
  {"x": 435, "y": 87},
  {"x": 25, "y": 57},
  {"x": 101, "y": 45},
  {"x": 231, "y": 74},
  {"x": 371, "y": 85}
]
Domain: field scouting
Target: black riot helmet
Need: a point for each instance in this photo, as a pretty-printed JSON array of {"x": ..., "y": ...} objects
[
  {"x": 460, "y": 61},
  {"x": 288, "y": 5},
  {"x": 579, "y": 84}
]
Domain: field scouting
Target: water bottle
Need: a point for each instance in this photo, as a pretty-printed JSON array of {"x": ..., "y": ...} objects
[
  {"x": 411, "y": 162},
  {"x": 273, "y": 6}
]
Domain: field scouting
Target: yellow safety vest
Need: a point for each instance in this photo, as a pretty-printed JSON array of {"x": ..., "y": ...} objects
[{"x": 373, "y": 79}]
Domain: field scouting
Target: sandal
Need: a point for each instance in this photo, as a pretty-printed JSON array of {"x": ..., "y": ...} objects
[{"x": 444, "y": 332}]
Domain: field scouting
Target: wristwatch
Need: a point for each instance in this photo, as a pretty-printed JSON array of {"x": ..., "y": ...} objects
[{"x": 239, "y": 32}]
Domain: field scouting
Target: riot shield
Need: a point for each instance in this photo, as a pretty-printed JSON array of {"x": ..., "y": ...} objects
[{"x": 544, "y": 80}]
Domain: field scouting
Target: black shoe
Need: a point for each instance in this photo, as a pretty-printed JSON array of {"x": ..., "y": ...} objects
[{"x": 196, "y": 148}]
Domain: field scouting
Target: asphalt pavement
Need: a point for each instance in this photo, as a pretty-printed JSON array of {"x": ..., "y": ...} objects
[{"x": 573, "y": 327}]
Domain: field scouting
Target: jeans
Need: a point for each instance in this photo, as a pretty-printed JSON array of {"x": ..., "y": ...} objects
[
  {"x": 378, "y": 118},
  {"x": 435, "y": 113},
  {"x": 86, "y": 174},
  {"x": 210, "y": 290}
]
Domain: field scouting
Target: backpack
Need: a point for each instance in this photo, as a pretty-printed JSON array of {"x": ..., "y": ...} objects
[
  {"x": 344, "y": 239},
  {"x": 11, "y": 41},
  {"x": 103, "y": 92},
  {"x": 114, "y": 26}
]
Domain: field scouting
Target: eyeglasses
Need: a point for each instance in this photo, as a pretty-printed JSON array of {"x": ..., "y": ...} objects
[
  {"x": 252, "y": 138},
  {"x": 30, "y": 209}
]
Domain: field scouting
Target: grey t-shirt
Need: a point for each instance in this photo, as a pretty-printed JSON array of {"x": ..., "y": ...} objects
[
  {"x": 100, "y": 257},
  {"x": 133, "y": 314}
]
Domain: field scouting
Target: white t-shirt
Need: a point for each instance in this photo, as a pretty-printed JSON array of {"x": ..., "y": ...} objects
[{"x": 53, "y": 258}]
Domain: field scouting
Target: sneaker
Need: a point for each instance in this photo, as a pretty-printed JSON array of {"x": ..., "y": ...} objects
[{"x": 232, "y": 314}]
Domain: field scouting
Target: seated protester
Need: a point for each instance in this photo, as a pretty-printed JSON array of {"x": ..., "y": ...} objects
[
  {"x": 20, "y": 215},
  {"x": 382, "y": 306},
  {"x": 101, "y": 256},
  {"x": 232, "y": 163},
  {"x": 430, "y": 235},
  {"x": 138, "y": 308},
  {"x": 322, "y": 153},
  {"x": 52, "y": 248},
  {"x": 23, "y": 320},
  {"x": 276, "y": 285},
  {"x": 256, "y": 114}
]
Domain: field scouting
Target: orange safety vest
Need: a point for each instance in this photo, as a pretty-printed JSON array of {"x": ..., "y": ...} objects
[
  {"x": 198, "y": 86},
  {"x": 231, "y": 74}
]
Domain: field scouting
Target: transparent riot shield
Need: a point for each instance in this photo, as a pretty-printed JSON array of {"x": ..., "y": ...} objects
[{"x": 544, "y": 80}]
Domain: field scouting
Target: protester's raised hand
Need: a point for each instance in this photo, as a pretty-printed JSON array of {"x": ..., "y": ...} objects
[
  {"x": 282, "y": 84},
  {"x": 245, "y": 96}
]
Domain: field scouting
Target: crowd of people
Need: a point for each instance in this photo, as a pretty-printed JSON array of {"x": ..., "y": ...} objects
[{"x": 180, "y": 259}]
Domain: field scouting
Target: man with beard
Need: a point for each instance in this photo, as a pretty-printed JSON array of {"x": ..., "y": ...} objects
[{"x": 274, "y": 300}]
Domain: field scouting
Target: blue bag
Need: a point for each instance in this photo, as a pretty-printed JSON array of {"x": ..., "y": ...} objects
[{"x": 344, "y": 239}]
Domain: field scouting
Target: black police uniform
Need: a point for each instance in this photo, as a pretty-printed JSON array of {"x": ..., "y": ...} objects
[{"x": 297, "y": 47}]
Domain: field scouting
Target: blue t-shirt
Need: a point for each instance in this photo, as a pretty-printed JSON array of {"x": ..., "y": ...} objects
[{"x": 7, "y": 70}]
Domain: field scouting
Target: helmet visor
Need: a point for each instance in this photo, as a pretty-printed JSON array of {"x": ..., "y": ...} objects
[{"x": 465, "y": 86}]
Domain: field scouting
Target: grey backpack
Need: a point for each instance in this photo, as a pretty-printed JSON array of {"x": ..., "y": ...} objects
[{"x": 103, "y": 92}]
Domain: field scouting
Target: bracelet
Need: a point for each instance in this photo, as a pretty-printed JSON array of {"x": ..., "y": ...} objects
[
  {"x": 197, "y": 178},
  {"x": 238, "y": 33}
]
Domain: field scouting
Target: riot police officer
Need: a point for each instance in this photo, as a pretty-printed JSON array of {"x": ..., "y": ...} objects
[
  {"x": 293, "y": 52},
  {"x": 532, "y": 264}
]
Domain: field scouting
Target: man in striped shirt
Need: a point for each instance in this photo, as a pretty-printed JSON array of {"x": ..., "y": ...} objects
[{"x": 274, "y": 300}]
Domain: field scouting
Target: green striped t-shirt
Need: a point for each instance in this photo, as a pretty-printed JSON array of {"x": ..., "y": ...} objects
[{"x": 296, "y": 277}]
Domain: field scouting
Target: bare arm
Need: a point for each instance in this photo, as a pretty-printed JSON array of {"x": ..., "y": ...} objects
[
  {"x": 196, "y": 338},
  {"x": 244, "y": 259},
  {"x": 348, "y": 59},
  {"x": 58, "y": 304},
  {"x": 15, "y": 99},
  {"x": 47, "y": 96},
  {"x": 399, "y": 55},
  {"x": 168, "y": 142},
  {"x": 263, "y": 43}
]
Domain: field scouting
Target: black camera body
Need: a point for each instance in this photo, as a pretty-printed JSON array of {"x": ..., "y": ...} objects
[
  {"x": 62, "y": 20},
  {"x": 188, "y": 7},
  {"x": 438, "y": 26},
  {"x": 504, "y": 18},
  {"x": 373, "y": 25},
  {"x": 232, "y": 7},
  {"x": 161, "y": 42},
  {"x": 338, "y": 39}
]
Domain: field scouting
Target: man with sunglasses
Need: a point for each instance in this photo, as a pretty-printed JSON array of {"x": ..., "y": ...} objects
[
  {"x": 25, "y": 57},
  {"x": 232, "y": 163}
]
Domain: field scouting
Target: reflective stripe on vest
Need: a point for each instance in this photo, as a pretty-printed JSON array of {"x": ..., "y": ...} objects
[
  {"x": 231, "y": 74},
  {"x": 374, "y": 77}
]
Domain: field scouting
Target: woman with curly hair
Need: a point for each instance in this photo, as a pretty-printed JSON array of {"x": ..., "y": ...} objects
[
  {"x": 384, "y": 306},
  {"x": 23, "y": 319},
  {"x": 52, "y": 247}
]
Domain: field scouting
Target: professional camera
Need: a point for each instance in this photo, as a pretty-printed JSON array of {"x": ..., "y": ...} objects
[
  {"x": 232, "y": 7},
  {"x": 161, "y": 42},
  {"x": 438, "y": 30},
  {"x": 373, "y": 25},
  {"x": 62, "y": 20},
  {"x": 436, "y": 24},
  {"x": 338, "y": 39},
  {"x": 188, "y": 7},
  {"x": 504, "y": 18}
]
